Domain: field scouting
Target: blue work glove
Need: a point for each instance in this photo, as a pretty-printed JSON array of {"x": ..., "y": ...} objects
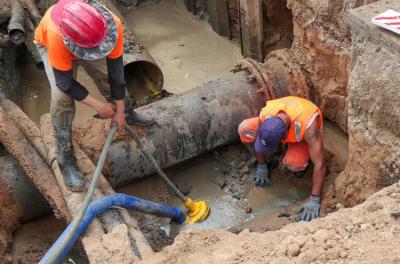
[
  {"x": 260, "y": 176},
  {"x": 311, "y": 209}
]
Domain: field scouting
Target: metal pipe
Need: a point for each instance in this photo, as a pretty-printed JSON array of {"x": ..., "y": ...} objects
[
  {"x": 143, "y": 76},
  {"x": 24, "y": 194},
  {"x": 33, "y": 11},
  {"x": 194, "y": 122},
  {"x": 16, "y": 30},
  {"x": 187, "y": 125}
]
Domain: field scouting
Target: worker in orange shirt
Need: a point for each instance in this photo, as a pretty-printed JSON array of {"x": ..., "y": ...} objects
[
  {"x": 72, "y": 34},
  {"x": 297, "y": 122}
]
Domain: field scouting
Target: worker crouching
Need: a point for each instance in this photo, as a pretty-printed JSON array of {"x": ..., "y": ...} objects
[
  {"x": 73, "y": 34},
  {"x": 297, "y": 122}
]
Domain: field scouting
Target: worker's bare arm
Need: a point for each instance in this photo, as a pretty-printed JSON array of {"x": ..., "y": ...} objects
[{"x": 313, "y": 137}]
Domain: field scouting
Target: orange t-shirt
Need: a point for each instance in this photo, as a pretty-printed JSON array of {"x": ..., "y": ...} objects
[{"x": 48, "y": 35}]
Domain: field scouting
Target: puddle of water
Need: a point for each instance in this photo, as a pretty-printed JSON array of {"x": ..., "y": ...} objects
[
  {"x": 226, "y": 211},
  {"x": 188, "y": 51}
]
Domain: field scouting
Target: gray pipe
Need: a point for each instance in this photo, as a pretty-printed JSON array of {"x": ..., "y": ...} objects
[
  {"x": 187, "y": 125},
  {"x": 143, "y": 77},
  {"x": 33, "y": 11},
  {"x": 16, "y": 25}
]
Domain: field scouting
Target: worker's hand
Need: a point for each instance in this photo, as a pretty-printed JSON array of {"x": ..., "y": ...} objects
[
  {"x": 261, "y": 176},
  {"x": 119, "y": 120},
  {"x": 311, "y": 209},
  {"x": 106, "y": 110}
]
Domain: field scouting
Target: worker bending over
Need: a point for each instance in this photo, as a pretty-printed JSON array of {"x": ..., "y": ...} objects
[
  {"x": 297, "y": 122},
  {"x": 72, "y": 34}
]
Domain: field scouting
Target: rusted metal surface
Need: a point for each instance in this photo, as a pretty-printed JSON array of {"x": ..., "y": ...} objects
[{"x": 194, "y": 122}]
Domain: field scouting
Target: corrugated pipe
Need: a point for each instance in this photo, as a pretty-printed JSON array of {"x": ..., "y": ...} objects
[{"x": 101, "y": 205}]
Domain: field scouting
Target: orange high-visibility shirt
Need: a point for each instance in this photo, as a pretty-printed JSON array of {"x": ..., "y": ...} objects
[{"x": 301, "y": 112}]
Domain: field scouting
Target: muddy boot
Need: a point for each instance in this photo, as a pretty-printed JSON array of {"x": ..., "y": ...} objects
[{"x": 73, "y": 178}]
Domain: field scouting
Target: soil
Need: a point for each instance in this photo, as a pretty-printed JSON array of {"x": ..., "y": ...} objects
[
  {"x": 222, "y": 178},
  {"x": 33, "y": 239},
  {"x": 335, "y": 238},
  {"x": 9, "y": 219}
]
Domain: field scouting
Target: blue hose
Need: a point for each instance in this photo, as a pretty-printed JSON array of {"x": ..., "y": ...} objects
[{"x": 101, "y": 205}]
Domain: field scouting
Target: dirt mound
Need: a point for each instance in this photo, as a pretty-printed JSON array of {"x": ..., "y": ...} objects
[{"x": 367, "y": 233}]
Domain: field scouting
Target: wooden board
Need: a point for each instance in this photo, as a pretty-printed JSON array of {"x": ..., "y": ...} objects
[
  {"x": 251, "y": 29},
  {"x": 219, "y": 16}
]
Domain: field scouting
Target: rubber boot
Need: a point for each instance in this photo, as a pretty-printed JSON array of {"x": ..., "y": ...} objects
[
  {"x": 73, "y": 178},
  {"x": 133, "y": 117}
]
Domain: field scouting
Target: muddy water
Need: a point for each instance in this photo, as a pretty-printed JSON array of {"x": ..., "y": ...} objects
[
  {"x": 199, "y": 176},
  {"x": 187, "y": 50},
  {"x": 36, "y": 94}
]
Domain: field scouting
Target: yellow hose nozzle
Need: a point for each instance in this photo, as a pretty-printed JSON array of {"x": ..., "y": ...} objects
[{"x": 198, "y": 211}]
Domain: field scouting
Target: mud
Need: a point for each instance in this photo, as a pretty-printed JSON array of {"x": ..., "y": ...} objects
[
  {"x": 222, "y": 178},
  {"x": 10, "y": 213},
  {"x": 366, "y": 233},
  {"x": 33, "y": 239}
]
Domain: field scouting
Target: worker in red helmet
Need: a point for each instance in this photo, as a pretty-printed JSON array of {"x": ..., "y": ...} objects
[{"x": 72, "y": 34}]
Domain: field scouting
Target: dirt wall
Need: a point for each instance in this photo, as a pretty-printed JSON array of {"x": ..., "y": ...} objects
[
  {"x": 321, "y": 42},
  {"x": 373, "y": 117}
]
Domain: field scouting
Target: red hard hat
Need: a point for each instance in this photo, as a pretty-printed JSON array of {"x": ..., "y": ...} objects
[{"x": 80, "y": 22}]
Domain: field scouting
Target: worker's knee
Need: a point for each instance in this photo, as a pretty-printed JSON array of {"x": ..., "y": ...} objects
[{"x": 248, "y": 130}]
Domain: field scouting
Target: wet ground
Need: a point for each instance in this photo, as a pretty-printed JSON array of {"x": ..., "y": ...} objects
[
  {"x": 190, "y": 54},
  {"x": 221, "y": 178}
]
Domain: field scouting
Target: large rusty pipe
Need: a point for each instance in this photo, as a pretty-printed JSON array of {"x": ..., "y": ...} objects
[
  {"x": 143, "y": 76},
  {"x": 16, "y": 25},
  {"x": 187, "y": 126},
  {"x": 25, "y": 195},
  {"x": 196, "y": 121}
]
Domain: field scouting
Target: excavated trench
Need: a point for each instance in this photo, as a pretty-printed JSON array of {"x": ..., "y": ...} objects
[{"x": 222, "y": 177}]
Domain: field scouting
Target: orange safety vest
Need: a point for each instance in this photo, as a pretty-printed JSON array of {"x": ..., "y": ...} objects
[
  {"x": 301, "y": 112},
  {"x": 48, "y": 35}
]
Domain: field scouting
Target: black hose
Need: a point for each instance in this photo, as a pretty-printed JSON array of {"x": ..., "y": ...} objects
[{"x": 150, "y": 158}]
